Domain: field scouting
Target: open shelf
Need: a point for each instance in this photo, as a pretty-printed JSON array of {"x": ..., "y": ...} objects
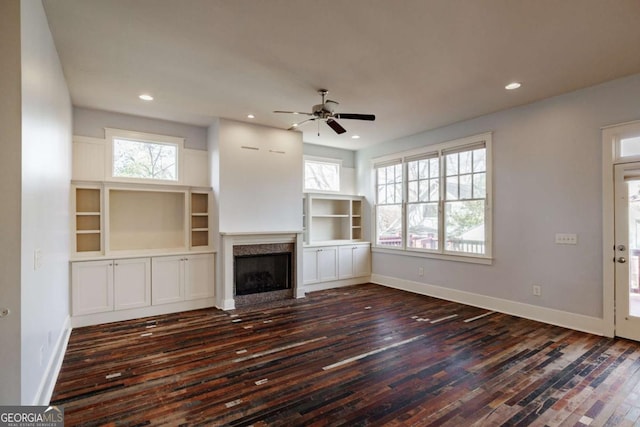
[
  {"x": 88, "y": 220},
  {"x": 199, "y": 219}
]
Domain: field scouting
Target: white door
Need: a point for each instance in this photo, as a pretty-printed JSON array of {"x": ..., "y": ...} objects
[
  {"x": 627, "y": 250},
  {"x": 310, "y": 266},
  {"x": 198, "y": 276},
  {"x": 361, "y": 260},
  {"x": 328, "y": 263},
  {"x": 345, "y": 262},
  {"x": 168, "y": 279},
  {"x": 91, "y": 287},
  {"x": 131, "y": 283}
]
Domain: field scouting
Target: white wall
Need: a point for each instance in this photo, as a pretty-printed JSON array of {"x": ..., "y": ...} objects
[
  {"x": 90, "y": 122},
  {"x": 547, "y": 180},
  {"x": 46, "y": 174},
  {"x": 10, "y": 137},
  {"x": 259, "y": 190}
]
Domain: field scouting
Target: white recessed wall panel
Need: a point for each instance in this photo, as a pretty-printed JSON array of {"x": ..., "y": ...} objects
[
  {"x": 146, "y": 220},
  {"x": 260, "y": 187}
]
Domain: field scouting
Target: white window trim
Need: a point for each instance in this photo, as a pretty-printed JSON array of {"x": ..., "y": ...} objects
[
  {"x": 112, "y": 133},
  {"x": 408, "y": 155},
  {"x": 321, "y": 160}
]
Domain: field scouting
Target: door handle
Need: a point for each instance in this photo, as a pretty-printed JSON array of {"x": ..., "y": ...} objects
[{"x": 621, "y": 260}]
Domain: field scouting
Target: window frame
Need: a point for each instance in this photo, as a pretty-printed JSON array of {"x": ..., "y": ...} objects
[
  {"x": 423, "y": 153},
  {"x": 112, "y": 134},
  {"x": 326, "y": 160}
]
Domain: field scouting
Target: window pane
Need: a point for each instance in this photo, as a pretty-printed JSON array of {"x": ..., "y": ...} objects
[
  {"x": 434, "y": 190},
  {"x": 147, "y": 160},
  {"x": 322, "y": 176},
  {"x": 464, "y": 226},
  {"x": 397, "y": 197},
  {"x": 465, "y": 186},
  {"x": 382, "y": 175},
  {"x": 452, "y": 188},
  {"x": 424, "y": 169},
  {"x": 451, "y": 163},
  {"x": 434, "y": 168},
  {"x": 630, "y": 146},
  {"x": 465, "y": 162},
  {"x": 413, "y": 191},
  {"x": 479, "y": 160},
  {"x": 479, "y": 186},
  {"x": 422, "y": 220},
  {"x": 424, "y": 190},
  {"x": 389, "y": 225},
  {"x": 398, "y": 173},
  {"x": 412, "y": 169}
]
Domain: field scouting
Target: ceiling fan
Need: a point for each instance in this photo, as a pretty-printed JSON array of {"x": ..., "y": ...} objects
[{"x": 326, "y": 112}]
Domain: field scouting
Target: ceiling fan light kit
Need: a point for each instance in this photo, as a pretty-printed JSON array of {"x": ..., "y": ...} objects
[{"x": 325, "y": 111}]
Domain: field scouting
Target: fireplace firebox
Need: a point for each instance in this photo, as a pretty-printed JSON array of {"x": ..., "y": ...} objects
[{"x": 262, "y": 273}]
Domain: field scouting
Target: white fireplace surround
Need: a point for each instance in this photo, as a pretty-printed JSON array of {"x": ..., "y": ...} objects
[{"x": 229, "y": 240}]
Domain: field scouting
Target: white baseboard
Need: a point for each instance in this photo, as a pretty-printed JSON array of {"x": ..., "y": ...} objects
[
  {"x": 45, "y": 389},
  {"x": 336, "y": 284},
  {"x": 578, "y": 322}
]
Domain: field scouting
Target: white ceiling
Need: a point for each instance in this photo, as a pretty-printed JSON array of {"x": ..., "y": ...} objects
[{"x": 415, "y": 64}]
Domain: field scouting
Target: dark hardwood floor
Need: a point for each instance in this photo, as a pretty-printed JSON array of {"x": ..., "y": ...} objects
[{"x": 363, "y": 355}]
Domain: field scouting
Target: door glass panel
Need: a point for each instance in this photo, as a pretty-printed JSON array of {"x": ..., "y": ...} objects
[{"x": 634, "y": 247}]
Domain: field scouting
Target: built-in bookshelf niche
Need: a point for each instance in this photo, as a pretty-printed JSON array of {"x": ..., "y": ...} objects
[
  {"x": 88, "y": 220},
  {"x": 146, "y": 219},
  {"x": 199, "y": 219},
  {"x": 333, "y": 218}
]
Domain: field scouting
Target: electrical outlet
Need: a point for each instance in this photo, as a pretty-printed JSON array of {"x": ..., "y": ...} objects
[
  {"x": 566, "y": 239},
  {"x": 537, "y": 290},
  {"x": 420, "y": 271}
]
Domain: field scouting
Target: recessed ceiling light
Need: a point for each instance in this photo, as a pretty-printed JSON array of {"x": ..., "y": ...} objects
[
  {"x": 251, "y": 116},
  {"x": 146, "y": 97},
  {"x": 295, "y": 125},
  {"x": 355, "y": 136},
  {"x": 513, "y": 85}
]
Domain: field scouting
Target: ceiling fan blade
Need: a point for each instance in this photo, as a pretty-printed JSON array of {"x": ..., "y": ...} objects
[
  {"x": 296, "y": 125},
  {"x": 293, "y": 112},
  {"x": 336, "y": 126},
  {"x": 353, "y": 116}
]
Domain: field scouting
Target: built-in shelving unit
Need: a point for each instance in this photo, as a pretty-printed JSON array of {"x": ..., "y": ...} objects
[
  {"x": 199, "y": 219},
  {"x": 332, "y": 218},
  {"x": 139, "y": 220},
  {"x": 88, "y": 220}
]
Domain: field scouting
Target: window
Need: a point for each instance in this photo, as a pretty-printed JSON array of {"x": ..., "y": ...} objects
[
  {"x": 436, "y": 200},
  {"x": 322, "y": 174},
  {"x": 139, "y": 156}
]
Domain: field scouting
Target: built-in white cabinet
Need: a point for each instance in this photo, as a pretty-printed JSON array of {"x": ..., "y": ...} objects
[
  {"x": 353, "y": 261},
  {"x": 320, "y": 264},
  {"x": 108, "y": 285},
  {"x": 180, "y": 278}
]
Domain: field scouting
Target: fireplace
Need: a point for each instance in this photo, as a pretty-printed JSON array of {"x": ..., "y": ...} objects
[
  {"x": 259, "y": 267},
  {"x": 255, "y": 274}
]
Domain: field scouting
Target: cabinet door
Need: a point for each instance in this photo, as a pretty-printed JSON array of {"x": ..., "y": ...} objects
[
  {"x": 199, "y": 276},
  {"x": 168, "y": 279},
  {"x": 131, "y": 283},
  {"x": 91, "y": 287},
  {"x": 345, "y": 262},
  {"x": 310, "y": 266},
  {"x": 361, "y": 260},
  {"x": 328, "y": 263}
]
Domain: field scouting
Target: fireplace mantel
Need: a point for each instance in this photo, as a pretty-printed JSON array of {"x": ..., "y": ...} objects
[{"x": 231, "y": 239}]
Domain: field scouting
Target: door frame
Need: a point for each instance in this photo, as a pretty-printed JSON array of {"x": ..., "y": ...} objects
[{"x": 610, "y": 157}]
